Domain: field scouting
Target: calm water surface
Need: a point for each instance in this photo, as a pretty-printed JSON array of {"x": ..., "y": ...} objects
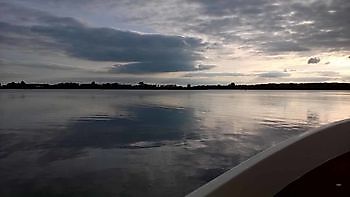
[{"x": 144, "y": 143}]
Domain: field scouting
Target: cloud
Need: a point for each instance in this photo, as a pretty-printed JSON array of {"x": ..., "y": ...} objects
[
  {"x": 211, "y": 31},
  {"x": 138, "y": 52},
  {"x": 328, "y": 73},
  {"x": 213, "y": 74},
  {"x": 268, "y": 74},
  {"x": 317, "y": 79},
  {"x": 105, "y": 44},
  {"x": 20, "y": 15},
  {"x": 279, "y": 26},
  {"x": 153, "y": 53},
  {"x": 157, "y": 67},
  {"x": 269, "y": 26},
  {"x": 273, "y": 74},
  {"x": 226, "y": 7},
  {"x": 314, "y": 60},
  {"x": 284, "y": 46},
  {"x": 39, "y": 66},
  {"x": 323, "y": 73}
]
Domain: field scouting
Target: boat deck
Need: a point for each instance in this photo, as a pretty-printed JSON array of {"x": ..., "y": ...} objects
[{"x": 330, "y": 179}]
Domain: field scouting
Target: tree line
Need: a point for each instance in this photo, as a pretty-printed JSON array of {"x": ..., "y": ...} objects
[{"x": 142, "y": 85}]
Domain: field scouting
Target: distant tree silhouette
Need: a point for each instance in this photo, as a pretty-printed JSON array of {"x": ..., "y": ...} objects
[{"x": 142, "y": 85}]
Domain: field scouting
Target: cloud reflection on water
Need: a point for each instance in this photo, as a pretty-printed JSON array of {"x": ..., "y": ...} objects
[{"x": 149, "y": 143}]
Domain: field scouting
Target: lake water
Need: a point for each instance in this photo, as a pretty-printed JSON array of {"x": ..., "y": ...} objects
[{"x": 144, "y": 143}]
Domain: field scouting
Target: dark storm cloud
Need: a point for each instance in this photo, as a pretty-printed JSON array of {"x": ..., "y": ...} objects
[
  {"x": 140, "y": 52},
  {"x": 18, "y": 14},
  {"x": 7, "y": 28},
  {"x": 22, "y": 38},
  {"x": 104, "y": 44}
]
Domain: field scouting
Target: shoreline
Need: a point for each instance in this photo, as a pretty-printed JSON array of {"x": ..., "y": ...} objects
[{"x": 144, "y": 86}]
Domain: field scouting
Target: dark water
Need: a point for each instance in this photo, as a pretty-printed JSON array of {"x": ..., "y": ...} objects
[{"x": 144, "y": 143}]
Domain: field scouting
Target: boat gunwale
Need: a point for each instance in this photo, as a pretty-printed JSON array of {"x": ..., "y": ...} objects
[{"x": 235, "y": 181}]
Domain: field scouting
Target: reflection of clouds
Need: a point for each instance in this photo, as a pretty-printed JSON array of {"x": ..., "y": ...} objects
[
  {"x": 148, "y": 127},
  {"x": 38, "y": 109},
  {"x": 149, "y": 124},
  {"x": 149, "y": 143}
]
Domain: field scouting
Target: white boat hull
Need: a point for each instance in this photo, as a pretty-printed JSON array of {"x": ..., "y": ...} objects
[{"x": 270, "y": 171}]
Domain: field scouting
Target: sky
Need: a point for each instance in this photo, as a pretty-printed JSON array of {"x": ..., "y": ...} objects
[{"x": 175, "y": 41}]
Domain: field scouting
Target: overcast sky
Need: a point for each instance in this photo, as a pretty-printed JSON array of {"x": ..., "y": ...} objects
[{"x": 175, "y": 41}]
